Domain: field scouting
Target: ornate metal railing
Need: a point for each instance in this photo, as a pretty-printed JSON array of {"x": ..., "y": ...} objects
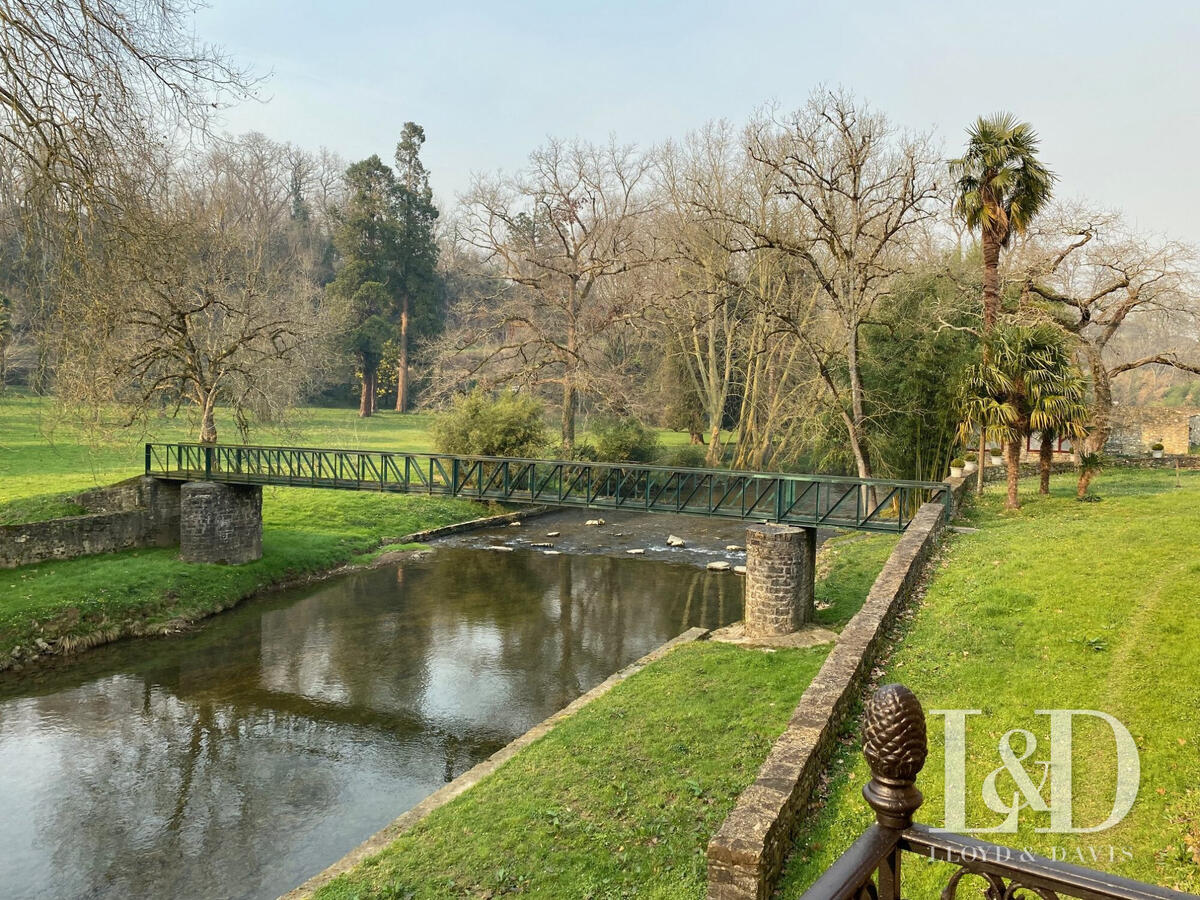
[
  {"x": 806, "y": 500},
  {"x": 895, "y": 747}
]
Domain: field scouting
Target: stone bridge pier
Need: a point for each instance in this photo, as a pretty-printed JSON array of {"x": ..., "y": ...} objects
[
  {"x": 781, "y": 563},
  {"x": 220, "y": 523}
]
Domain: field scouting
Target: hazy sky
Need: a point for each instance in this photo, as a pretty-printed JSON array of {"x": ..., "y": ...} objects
[{"x": 1113, "y": 88}]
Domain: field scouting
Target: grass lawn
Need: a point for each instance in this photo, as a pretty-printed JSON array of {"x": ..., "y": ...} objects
[
  {"x": 145, "y": 591},
  {"x": 618, "y": 801},
  {"x": 1062, "y": 605}
]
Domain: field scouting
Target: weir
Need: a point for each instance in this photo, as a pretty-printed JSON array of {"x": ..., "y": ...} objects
[{"x": 221, "y": 502}]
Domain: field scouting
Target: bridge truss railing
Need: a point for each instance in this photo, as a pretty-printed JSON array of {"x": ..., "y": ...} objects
[{"x": 806, "y": 500}]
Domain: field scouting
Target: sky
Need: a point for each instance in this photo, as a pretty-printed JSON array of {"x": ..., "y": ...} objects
[{"x": 1112, "y": 88}]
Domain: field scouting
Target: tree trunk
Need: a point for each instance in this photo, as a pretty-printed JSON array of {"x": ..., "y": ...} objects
[
  {"x": 569, "y": 402},
  {"x": 1100, "y": 426},
  {"x": 857, "y": 439},
  {"x": 402, "y": 365},
  {"x": 208, "y": 423},
  {"x": 1013, "y": 463},
  {"x": 366, "y": 399},
  {"x": 1045, "y": 458},
  {"x": 570, "y": 394},
  {"x": 1085, "y": 479},
  {"x": 982, "y": 450},
  {"x": 713, "y": 457},
  {"x": 991, "y": 280}
]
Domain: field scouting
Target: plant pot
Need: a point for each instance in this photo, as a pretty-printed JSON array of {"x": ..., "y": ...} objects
[
  {"x": 997, "y": 460},
  {"x": 970, "y": 468},
  {"x": 1158, "y": 454},
  {"x": 956, "y": 472}
]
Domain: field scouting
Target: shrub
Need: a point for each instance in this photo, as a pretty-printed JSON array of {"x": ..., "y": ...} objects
[
  {"x": 689, "y": 456},
  {"x": 624, "y": 440},
  {"x": 957, "y": 463},
  {"x": 476, "y": 424},
  {"x": 1157, "y": 447},
  {"x": 584, "y": 452},
  {"x": 971, "y": 457}
]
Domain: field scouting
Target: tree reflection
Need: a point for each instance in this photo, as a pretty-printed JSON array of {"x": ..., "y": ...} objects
[{"x": 239, "y": 760}]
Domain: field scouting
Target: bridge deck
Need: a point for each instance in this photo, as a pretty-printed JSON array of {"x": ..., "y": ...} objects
[{"x": 803, "y": 500}]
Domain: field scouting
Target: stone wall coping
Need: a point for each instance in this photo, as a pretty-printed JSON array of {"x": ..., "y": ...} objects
[
  {"x": 747, "y": 853},
  {"x": 439, "y": 798}
]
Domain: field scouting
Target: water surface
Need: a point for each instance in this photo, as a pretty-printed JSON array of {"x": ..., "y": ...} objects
[{"x": 237, "y": 761}]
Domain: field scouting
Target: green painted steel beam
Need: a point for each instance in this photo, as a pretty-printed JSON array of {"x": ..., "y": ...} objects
[{"x": 864, "y": 504}]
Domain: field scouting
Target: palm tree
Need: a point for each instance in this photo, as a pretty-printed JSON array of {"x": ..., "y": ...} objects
[
  {"x": 1026, "y": 381},
  {"x": 1059, "y": 409},
  {"x": 1001, "y": 186}
]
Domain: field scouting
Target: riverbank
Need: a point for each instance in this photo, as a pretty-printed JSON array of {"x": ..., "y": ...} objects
[
  {"x": 617, "y": 801},
  {"x": 59, "y": 608},
  {"x": 1061, "y": 605},
  {"x": 642, "y": 776}
]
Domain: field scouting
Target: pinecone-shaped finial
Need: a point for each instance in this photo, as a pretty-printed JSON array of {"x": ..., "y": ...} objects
[{"x": 895, "y": 746}]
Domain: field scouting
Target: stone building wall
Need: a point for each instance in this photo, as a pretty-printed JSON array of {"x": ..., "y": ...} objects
[{"x": 1136, "y": 430}]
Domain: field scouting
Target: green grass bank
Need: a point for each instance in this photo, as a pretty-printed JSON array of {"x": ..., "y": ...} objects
[
  {"x": 618, "y": 801},
  {"x": 77, "y": 603},
  {"x": 1062, "y": 605}
]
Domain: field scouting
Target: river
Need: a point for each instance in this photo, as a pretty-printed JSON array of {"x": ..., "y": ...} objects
[{"x": 240, "y": 759}]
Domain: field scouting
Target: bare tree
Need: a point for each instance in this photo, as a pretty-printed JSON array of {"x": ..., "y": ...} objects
[
  {"x": 1103, "y": 282},
  {"x": 851, "y": 192},
  {"x": 200, "y": 298},
  {"x": 82, "y": 81},
  {"x": 702, "y": 305},
  {"x": 562, "y": 238}
]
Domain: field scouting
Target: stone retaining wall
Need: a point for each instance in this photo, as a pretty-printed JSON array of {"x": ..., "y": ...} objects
[
  {"x": 747, "y": 852},
  {"x": 140, "y": 512}
]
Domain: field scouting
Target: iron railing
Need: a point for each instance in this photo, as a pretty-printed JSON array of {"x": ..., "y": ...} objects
[
  {"x": 807, "y": 500},
  {"x": 895, "y": 746}
]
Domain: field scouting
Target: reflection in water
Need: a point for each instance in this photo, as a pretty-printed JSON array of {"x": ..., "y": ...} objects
[{"x": 239, "y": 760}]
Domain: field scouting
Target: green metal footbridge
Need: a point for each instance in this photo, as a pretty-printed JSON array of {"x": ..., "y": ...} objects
[{"x": 808, "y": 501}]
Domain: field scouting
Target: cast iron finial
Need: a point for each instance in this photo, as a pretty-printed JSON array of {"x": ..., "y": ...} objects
[{"x": 895, "y": 746}]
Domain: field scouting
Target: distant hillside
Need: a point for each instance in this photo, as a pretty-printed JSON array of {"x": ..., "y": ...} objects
[{"x": 1164, "y": 387}]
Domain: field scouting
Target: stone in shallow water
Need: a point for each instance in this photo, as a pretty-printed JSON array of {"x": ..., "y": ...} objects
[
  {"x": 541, "y": 544},
  {"x": 591, "y": 523},
  {"x": 739, "y": 570},
  {"x": 514, "y": 524},
  {"x": 553, "y": 533},
  {"x": 735, "y": 548},
  {"x": 674, "y": 540},
  {"x": 501, "y": 547},
  {"x": 718, "y": 565},
  {"x": 552, "y": 552},
  {"x": 637, "y": 552}
]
